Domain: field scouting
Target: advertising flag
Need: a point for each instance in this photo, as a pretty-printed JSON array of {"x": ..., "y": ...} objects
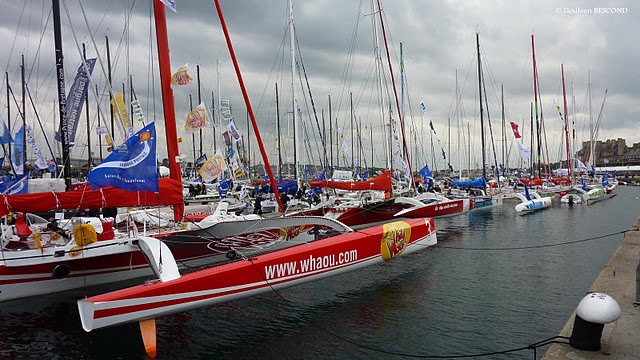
[
  {"x": 197, "y": 118},
  {"x": 181, "y": 77},
  {"x": 17, "y": 157},
  {"x": 75, "y": 100},
  {"x": 423, "y": 107},
  {"x": 133, "y": 166},
  {"x": 5, "y": 134},
  {"x": 516, "y": 132},
  {"x": 213, "y": 167}
]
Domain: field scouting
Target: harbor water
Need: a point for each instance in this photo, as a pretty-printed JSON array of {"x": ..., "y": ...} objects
[{"x": 496, "y": 281}]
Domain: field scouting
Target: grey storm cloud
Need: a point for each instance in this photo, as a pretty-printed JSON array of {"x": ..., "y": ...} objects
[{"x": 335, "y": 40}]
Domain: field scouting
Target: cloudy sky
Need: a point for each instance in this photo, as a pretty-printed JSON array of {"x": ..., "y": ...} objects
[{"x": 336, "y": 42}]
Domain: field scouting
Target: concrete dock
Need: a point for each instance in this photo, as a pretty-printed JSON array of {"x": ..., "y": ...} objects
[{"x": 620, "y": 339}]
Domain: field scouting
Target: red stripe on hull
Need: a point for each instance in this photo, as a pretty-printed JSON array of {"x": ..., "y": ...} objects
[{"x": 382, "y": 242}]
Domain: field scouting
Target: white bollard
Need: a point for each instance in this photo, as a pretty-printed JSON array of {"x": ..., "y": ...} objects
[{"x": 593, "y": 312}]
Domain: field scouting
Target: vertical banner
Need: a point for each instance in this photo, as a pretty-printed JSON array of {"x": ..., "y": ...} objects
[
  {"x": 5, "y": 134},
  {"x": 124, "y": 123},
  {"x": 75, "y": 100},
  {"x": 40, "y": 162},
  {"x": 233, "y": 130},
  {"x": 137, "y": 110},
  {"x": 17, "y": 157}
]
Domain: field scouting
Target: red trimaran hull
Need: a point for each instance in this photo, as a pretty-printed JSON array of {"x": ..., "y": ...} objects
[{"x": 248, "y": 277}]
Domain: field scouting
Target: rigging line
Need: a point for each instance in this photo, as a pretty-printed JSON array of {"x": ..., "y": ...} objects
[
  {"x": 313, "y": 105},
  {"x": 35, "y": 57},
  {"x": 84, "y": 63},
  {"x": 493, "y": 144},
  {"x": 40, "y": 123},
  {"x": 6, "y": 68}
]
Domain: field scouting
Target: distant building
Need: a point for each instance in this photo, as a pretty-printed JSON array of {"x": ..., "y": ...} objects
[{"x": 611, "y": 153}]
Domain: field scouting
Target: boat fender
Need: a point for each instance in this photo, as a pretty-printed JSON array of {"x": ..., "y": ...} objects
[
  {"x": 60, "y": 272},
  {"x": 85, "y": 234}
]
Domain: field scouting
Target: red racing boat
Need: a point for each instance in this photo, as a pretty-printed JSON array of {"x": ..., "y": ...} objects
[{"x": 272, "y": 254}]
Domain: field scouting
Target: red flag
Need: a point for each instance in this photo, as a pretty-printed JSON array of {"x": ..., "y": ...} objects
[{"x": 514, "y": 126}]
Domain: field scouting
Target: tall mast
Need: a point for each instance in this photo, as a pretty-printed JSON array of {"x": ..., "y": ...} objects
[
  {"x": 535, "y": 99},
  {"x": 99, "y": 124},
  {"x": 9, "y": 113},
  {"x": 592, "y": 146},
  {"x": 111, "y": 108},
  {"x": 330, "y": 139},
  {"x": 164, "y": 63},
  {"x": 24, "y": 118},
  {"x": 217, "y": 104},
  {"x": 352, "y": 153},
  {"x": 296, "y": 138},
  {"x": 566, "y": 124},
  {"x": 378, "y": 59},
  {"x": 249, "y": 108},
  {"x": 484, "y": 175},
  {"x": 504, "y": 162},
  {"x": 532, "y": 138},
  {"x": 458, "y": 126},
  {"x": 86, "y": 104},
  {"x": 395, "y": 93},
  {"x": 279, "y": 134},
  {"x": 199, "y": 102},
  {"x": 62, "y": 97}
]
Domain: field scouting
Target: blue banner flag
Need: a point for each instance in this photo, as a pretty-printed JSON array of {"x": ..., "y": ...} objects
[
  {"x": 223, "y": 187},
  {"x": 132, "y": 166},
  {"x": 426, "y": 173},
  {"x": 19, "y": 185},
  {"x": 5, "y": 134},
  {"x": 75, "y": 100},
  {"x": 432, "y": 129},
  {"x": 201, "y": 160},
  {"x": 17, "y": 157},
  {"x": 423, "y": 107}
]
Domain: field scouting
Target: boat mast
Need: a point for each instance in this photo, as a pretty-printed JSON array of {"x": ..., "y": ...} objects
[
  {"x": 86, "y": 104},
  {"x": 481, "y": 113},
  {"x": 395, "y": 93},
  {"x": 199, "y": 102},
  {"x": 566, "y": 124},
  {"x": 378, "y": 61},
  {"x": 504, "y": 161},
  {"x": 591, "y": 131},
  {"x": 458, "y": 126},
  {"x": 62, "y": 97},
  {"x": 248, "y": 103},
  {"x": 164, "y": 63},
  {"x": 330, "y": 139},
  {"x": 217, "y": 105},
  {"x": 24, "y": 118},
  {"x": 296, "y": 138},
  {"x": 279, "y": 135},
  {"x": 535, "y": 99},
  {"x": 9, "y": 116}
]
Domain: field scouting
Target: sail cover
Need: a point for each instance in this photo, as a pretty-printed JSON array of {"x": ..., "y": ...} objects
[
  {"x": 170, "y": 194},
  {"x": 381, "y": 182}
]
